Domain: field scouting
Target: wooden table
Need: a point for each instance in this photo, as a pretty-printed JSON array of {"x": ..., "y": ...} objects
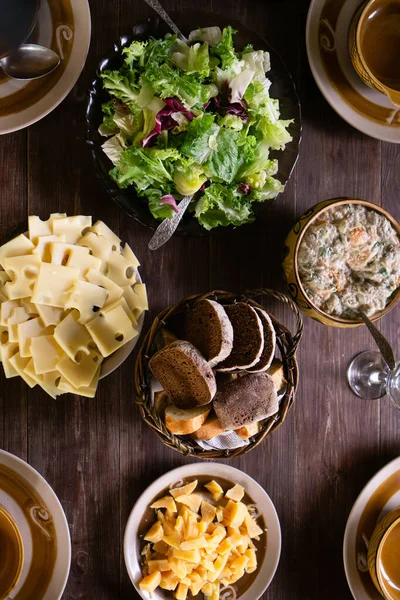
[{"x": 97, "y": 454}]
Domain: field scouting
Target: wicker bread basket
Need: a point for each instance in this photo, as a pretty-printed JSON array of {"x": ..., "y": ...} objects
[{"x": 286, "y": 344}]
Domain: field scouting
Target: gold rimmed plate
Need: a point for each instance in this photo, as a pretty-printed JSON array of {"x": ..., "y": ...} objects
[
  {"x": 379, "y": 497},
  {"x": 41, "y": 521},
  {"x": 64, "y": 26},
  {"x": 366, "y": 109}
]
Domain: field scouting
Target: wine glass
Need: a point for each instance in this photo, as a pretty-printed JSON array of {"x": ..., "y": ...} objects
[{"x": 370, "y": 377}]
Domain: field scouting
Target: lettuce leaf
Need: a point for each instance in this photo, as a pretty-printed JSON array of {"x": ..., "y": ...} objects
[
  {"x": 192, "y": 59},
  {"x": 200, "y": 137},
  {"x": 158, "y": 209},
  {"x": 223, "y": 205},
  {"x": 144, "y": 167}
]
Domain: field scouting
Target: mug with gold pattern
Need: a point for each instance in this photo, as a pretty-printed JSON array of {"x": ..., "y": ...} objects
[
  {"x": 11, "y": 554},
  {"x": 384, "y": 556},
  {"x": 374, "y": 46}
]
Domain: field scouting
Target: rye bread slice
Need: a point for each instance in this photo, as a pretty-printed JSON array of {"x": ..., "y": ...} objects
[
  {"x": 245, "y": 400},
  {"x": 268, "y": 351},
  {"x": 248, "y": 338},
  {"x": 207, "y": 326},
  {"x": 184, "y": 374}
]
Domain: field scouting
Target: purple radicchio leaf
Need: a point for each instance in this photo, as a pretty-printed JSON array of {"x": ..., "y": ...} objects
[
  {"x": 244, "y": 188},
  {"x": 164, "y": 121},
  {"x": 169, "y": 199}
]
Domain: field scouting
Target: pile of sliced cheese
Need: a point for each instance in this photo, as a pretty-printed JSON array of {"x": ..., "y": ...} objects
[
  {"x": 69, "y": 298},
  {"x": 196, "y": 545}
]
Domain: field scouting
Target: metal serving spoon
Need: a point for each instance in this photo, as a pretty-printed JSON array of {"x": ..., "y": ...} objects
[
  {"x": 155, "y": 5},
  {"x": 167, "y": 228},
  {"x": 382, "y": 343},
  {"x": 30, "y": 61}
]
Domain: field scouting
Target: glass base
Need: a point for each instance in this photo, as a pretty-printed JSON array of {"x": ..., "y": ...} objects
[{"x": 367, "y": 375}]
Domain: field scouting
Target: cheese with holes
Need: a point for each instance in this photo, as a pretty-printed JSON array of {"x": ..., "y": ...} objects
[
  {"x": 38, "y": 228},
  {"x": 50, "y": 315},
  {"x": 18, "y": 246},
  {"x": 136, "y": 297},
  {"x": 112, "y": 330},
  {"x": 100, "y": 228},
  {"x": 3, "y": 278},
  {"x": 30, "y": 308},
  {"x": 53, "y": 283},
  {"x": 18, "y": 315},
  {"x": 87, "y": 299},
  {"x": 80, "y": 374},
  {"x": 42, "y": 246},
  {"x": 121, "y": 268},
  {"x": 88, "y": 392},
  {"x": 60, "y": 253},
  {"x": 88, "y": 262},
  {"x": 72, "y": 336},
  {"x": 8, "y": 350},
  {"x": 72, "y": 227},
  {"x": 100, "y": 246},
  {"x": 23, "y": 271},
  {"x": 114, "y": 290},
  {"x": 6, "y": 310},
  {"x": 48, "y": 381},
  {"x": 28, "y": 330},
  {"x": 46, "y": 354},
  {"x": 120, "y": 302}
]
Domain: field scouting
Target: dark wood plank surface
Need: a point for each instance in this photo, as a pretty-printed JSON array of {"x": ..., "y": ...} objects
[{"x": 97, "y": 454}]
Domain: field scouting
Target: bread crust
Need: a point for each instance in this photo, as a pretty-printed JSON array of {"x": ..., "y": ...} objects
[
  {"x": 235, "y": 313},
  {"x": 185, "y": 422},
  {"x": 268, "y": 351}
]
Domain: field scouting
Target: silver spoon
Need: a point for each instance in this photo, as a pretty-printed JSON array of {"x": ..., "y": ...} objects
[
  {"x": 382, "y": 343},
  {"x": 155, "y": 5},
  {"x": 167, "y": 228},
  {"x": 30, "y": 61}
]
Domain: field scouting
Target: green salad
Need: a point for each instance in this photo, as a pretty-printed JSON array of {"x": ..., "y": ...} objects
[{"x": 194, "y": 119}]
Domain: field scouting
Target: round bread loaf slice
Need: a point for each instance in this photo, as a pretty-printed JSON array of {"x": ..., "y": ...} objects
[
  {"x": 184, "y": 422},
  {"x": 245, "y": 400},
  {"x": 207, "y": 326},
  {"x": 184, "y": 374},
  {"x": 248, "y": 338},
  {"x": 268, "y": 351}
]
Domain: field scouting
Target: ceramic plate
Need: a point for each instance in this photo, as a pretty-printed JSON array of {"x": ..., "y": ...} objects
[
  {"x": 64, "y": 26},
  {"x": 366, "y": 109},
  {"x": 282, "y": 88},
  {"x": 263, "y": 505},
  {"x": 380, "y": 496},
  {"x": 35, "y": 508}
]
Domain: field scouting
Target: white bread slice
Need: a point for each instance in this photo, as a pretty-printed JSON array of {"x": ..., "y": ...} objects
[
  {"x": 184, "y": 374},
  {"x": 268, "y": 351},
  {"x": 208, "y": 327},
  {"x": 248, "y": 338},
  {"x": 161, "y": 401},
  {"x": 209, "y": 430},
  {"x": 248, "y": 431},
  {"x": 183, "y": 422}
]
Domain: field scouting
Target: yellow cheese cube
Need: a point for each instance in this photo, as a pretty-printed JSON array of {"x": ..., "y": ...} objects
[
  {"x": 155, "y": 533},
  {"x": 181, "y": 592},
  {"x": 169, "y": 581},
  {"x": 192, "y": 556},
  {"x": 224, "y": 547},
  {"x": 208, "y": 511},
  {"x": 240, "y": 563},
  {"x": 196, "y": 586},
  {"x": 214, "y": 488},
  {"x": 236, "y": 493},
  {"x": 178, "y": 567},
  {"x": 185, "y": 490},
  {"x": 165, "y": 502},
  {"x": 219, "y": 565},
  {"x": 207, "y": 589},
  {"x": 161, "y": 547},
  {"x": 179, "y": 524},
  {"x": 252, "y": 528},
  {"x": 234, "y": 514},
  {"x": 151, "y": 582},
  {"x": 193, "y": 501},
  {"x": 158, "y": 565},
  {"x": 252, "y": 564},
  {"x": 173, "y": 540},
  {"x": 199, "y": 542}
]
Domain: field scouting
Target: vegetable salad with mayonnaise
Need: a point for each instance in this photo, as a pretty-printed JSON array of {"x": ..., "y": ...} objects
[{"x": 349, "y": 259}]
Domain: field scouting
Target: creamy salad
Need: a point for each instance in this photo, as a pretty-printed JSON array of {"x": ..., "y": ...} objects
[{"x": 349, "y": 259}]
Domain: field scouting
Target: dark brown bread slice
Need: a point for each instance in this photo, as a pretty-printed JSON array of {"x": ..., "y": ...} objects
[
  {"x": 248, "y": 337},
  {"x": 245, "y": 400},
  {"x": 268, "y": 351},
  {"x": 207, "y": 326},
  {"x": 184, "y": 374}
]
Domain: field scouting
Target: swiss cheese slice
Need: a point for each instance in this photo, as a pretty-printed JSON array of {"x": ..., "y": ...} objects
[
  {"x": 80, "y": 374},
  {"x": 7, "y": 350},
  {"x": 48, "y": 381},
  {"x": 18, "y": 315},
  {"x": 50, "y": 315},
  {"x": 122, "y": 268},
  {"x": 100, "y": 228},
  {"x": 72, "y": 227},
  {"x": 38, "y": 228},
  {"x": 136, "y": 297},
  {"x": 28, "y": 330},
  {"x": 16, "y": 247},
  {"x": 87, "y": 298},
  {"x": 60, "y": 253},
  {"x": 30, "y": 308},
  {"x": 72, "y": 336},
  {"x": 6, "y": 310},
  {"x": 100, "y": 246},
  {"x": 111, "y": 330},
  {"x": 19, "y": 363},
  {"x": 88, "y": 392},
  {"x": 3, "y": 278},
  {"x": 46, "y": 353},
  {"x": 42, "y": 246},
  {"x": 120, "y": 302},
  {"x": 53, "y": 283},
  {"x": 23, "y": 271},
  {"x": 114, "y": 290}
]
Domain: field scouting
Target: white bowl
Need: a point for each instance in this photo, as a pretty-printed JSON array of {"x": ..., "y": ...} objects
[{"x": 265, "y": 571}]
